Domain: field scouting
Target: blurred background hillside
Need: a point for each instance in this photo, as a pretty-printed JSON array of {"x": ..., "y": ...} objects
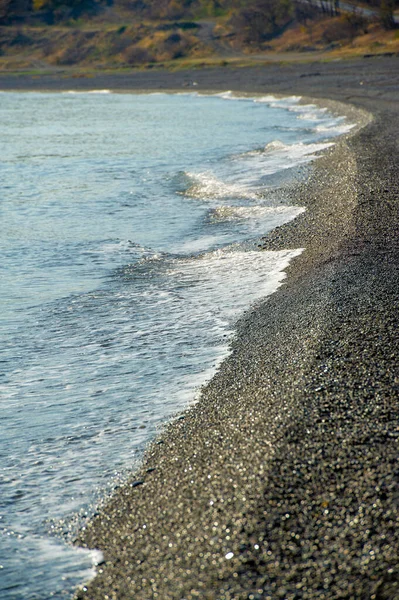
[{"x": 147, "y": 33}]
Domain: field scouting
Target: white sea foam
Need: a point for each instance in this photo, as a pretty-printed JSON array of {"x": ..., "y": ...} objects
[
  {"x": 275, "y": 145},
  {"x": 333, "y": 125},
  {"x": 93, "y": 371},
  {"x": 70, "y": 565},
  {"x": 230, "y": 274},
  {"x": 243, "y": 177},
  {"x": 83, "y": 92},
  {"x": 231, "y": 213},
  {"x": 208, "y": 186},
  {"x": 307, "y": 112},
  {"x": 274, "y": 101},
  {"x": 47, "y": 547},
  {"x": 227, "y": 282},
  {"x": 229, "y": 95},
  {"x": 311, "y": 116},
  {"x": 99, "y": 92},
  {"x": 288, "y": 155},
  {"x": 275, "y": 157},
  {"x": 334, "y": 129},
  {"x": 229, "y": 223}
]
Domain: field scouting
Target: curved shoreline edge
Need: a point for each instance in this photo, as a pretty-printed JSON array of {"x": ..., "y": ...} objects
[{"x": 282, "y": 481}]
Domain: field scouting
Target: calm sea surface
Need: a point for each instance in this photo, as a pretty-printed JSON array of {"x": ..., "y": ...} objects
[{"x": 129, "y": 231}]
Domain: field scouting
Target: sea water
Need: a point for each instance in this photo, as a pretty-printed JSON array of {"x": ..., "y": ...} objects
[{"x": 129, "y": 239}]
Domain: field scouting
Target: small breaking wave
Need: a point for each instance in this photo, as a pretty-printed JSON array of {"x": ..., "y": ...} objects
[
  {"x": 277, "y": 156},
  {"x": 244, "y": 176},
  {"x": 229, "y": 95},
  {"x": 224, "y": 271},
  {"x": 328, "y": 123},
  {"x": 278, "y": 102},
  {"x": 298, "y": 150},
  {"x": 274, "y": 145},
  {"x": 290, "y": 151},
  {"x": 208, "y": 186},
  {"x": 232, "y": 213},
  {"x": 312, "y": 115},
  {"x": 335, "y": 129},
  {"x": 81, "y": 92}
]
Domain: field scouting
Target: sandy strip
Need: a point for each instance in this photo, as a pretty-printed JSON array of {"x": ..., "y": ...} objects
[{"x": 282, "y": 482}]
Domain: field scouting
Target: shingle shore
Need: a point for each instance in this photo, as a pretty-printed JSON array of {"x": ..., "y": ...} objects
[{"x": 282, "y": 482}]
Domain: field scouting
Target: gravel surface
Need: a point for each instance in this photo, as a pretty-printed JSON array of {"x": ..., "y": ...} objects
[{"x": 282, "y": 482}]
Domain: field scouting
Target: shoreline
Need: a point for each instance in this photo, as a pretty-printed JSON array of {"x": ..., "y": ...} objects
[{"x": 280, "y": 481}]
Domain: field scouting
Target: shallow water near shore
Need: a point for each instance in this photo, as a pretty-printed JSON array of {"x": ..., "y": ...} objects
[{"x": 129, "y": 239}]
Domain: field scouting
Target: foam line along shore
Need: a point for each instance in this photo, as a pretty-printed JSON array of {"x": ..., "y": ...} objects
[
  {"x": 119, "y": 355},
  {"x": 281, "y": 482}
]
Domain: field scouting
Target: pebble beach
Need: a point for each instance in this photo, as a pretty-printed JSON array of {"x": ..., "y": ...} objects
[{"x": 282, "y": 481}]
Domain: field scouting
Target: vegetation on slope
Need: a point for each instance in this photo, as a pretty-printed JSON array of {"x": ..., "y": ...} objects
[{"x": 145, "y": 32}]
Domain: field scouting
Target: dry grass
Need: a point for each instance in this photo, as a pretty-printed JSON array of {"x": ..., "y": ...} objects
[
  {"x": 338, "y": 37},
  {"x": 117, "y": 44},
  {"x": 110, "y": 46}
]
